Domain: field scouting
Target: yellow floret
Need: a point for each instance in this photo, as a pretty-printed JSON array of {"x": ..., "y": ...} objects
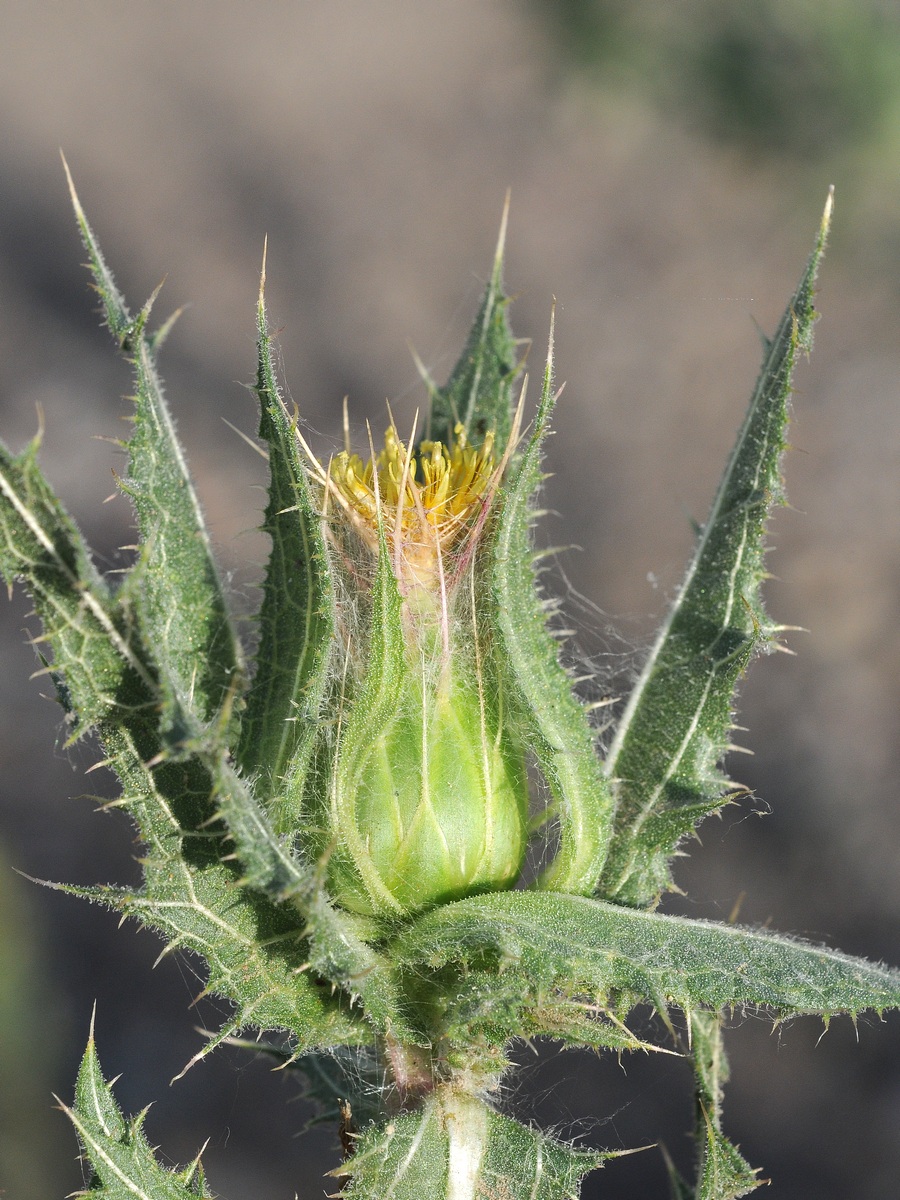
[{"x": 429, "y": 497}]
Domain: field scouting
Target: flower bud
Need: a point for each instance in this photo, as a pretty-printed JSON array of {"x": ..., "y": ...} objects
[
  {"x": 440, "y": 804},
  {"x": 427, "y": 797}
]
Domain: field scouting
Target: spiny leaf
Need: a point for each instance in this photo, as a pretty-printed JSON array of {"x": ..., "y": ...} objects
[
  {"x": 336, "y": 951},
  {"x": 478, "y": 393},
  {"x": 256, "y": 952},
  {"x": 279, "y": 725},
  {"x": 723, "y": 1173},
  {"x": 180, "y": 600},
  {"x": 675, "y": 726},
  {"x": 97, "y": 671},
  {"x": 105, "y": 677},
  {"x": 488, "y": 1008},
  {"x": 710, "y": 1063},
  {"x": 454, "y": 1147},
  {"x": 601, "y": 949},
  {"x": 122, "y": 1161},
  {"x": 102, "y": 677},
  {"x": 557, "y": 728}
]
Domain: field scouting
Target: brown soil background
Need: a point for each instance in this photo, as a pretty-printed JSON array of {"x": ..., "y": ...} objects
[{"x": 374, "y": 143}]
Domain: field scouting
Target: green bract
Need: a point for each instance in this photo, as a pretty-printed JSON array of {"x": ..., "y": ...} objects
[
  {"x": 338, "y": 832},
  {"x": 433, "y": 807}
]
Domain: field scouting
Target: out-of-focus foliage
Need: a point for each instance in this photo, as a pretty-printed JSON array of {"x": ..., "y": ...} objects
[{"x": 808, "y": 78}]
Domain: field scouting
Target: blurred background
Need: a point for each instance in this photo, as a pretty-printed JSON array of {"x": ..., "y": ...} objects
[{"x": 668, "y": 166}]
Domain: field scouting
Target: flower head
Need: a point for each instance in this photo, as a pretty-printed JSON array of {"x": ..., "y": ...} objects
[{"x": 428, "y": 796}]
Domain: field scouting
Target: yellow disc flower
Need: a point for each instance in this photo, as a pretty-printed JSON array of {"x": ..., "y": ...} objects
[{"x": 429, "y": 498}]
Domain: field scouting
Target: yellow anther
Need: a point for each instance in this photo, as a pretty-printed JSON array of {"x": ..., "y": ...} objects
[{"x": 428, "y": 498}]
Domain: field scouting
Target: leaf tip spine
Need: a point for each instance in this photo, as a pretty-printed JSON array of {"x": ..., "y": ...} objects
[
  {"x": 501, "y": 239},
  {"x": 76, "y": 203},
  {"x": 262, "y": 275}
]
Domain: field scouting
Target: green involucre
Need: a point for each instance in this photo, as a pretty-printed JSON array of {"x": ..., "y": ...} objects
[{"x": 434, "y": 806}]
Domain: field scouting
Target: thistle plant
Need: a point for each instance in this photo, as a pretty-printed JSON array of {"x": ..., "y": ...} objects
[{"x": 397, "y": 841}]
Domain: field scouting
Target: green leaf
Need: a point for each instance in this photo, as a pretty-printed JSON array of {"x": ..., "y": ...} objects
[
  {"x": 675, "y": 727},
  {"x": 188, "y": 894},
  {"x": 723, "y": 1173},
  {"x": 478, "y": 394},
  {"x": 123, "y": 1165},
  {"x": 176, "y": 778},
  {"x": 180, "y": 600},
  {"x": 455, "y": 1146},
  {"x": 556, "y": 724},
  {"x": 485, "y": 1008},
  {"x": 598, "y": 949},
  {"x": 97, "y": 672},
  {"x": 336, "y": 952},
  {"x": 256, "y": 951},
  {"x": 281, "y": 720}
]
